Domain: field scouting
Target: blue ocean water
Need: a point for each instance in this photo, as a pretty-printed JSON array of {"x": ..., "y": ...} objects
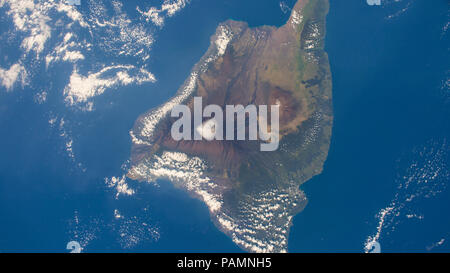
[{"x": 386, "y": 80}]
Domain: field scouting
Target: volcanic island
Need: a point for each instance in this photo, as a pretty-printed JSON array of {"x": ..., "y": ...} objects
[{"x": 251, "y": 195}]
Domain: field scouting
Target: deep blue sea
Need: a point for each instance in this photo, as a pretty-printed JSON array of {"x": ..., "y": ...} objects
[{"x": 391, "y": 117}]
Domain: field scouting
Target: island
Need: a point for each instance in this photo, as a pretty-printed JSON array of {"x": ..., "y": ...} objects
[{"x": 252, "y": 195}]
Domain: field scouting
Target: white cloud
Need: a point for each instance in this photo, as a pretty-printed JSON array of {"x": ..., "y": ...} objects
[
  {"x": 118, "y": 34},
  {"x": 120, "y": 185},
  {"x": 117, "y": 214},
  {"x": 33, "y": 19},
  {"x": 41, "y": 97},
  {"x": 73, "y": 56},
  {"x": 426, "y": 177},
  {"x": 54, "y": 31},
  {"x": 168, "y": 9},
  {"x": 223, "y": 39},
  {"x": 68, "y": 50},
  {"x": 72, "y": 13},
  {"x": 82, "y": 88},
  {"x": 173, "y": 6},
  {"x": 9, "y": 77}
]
